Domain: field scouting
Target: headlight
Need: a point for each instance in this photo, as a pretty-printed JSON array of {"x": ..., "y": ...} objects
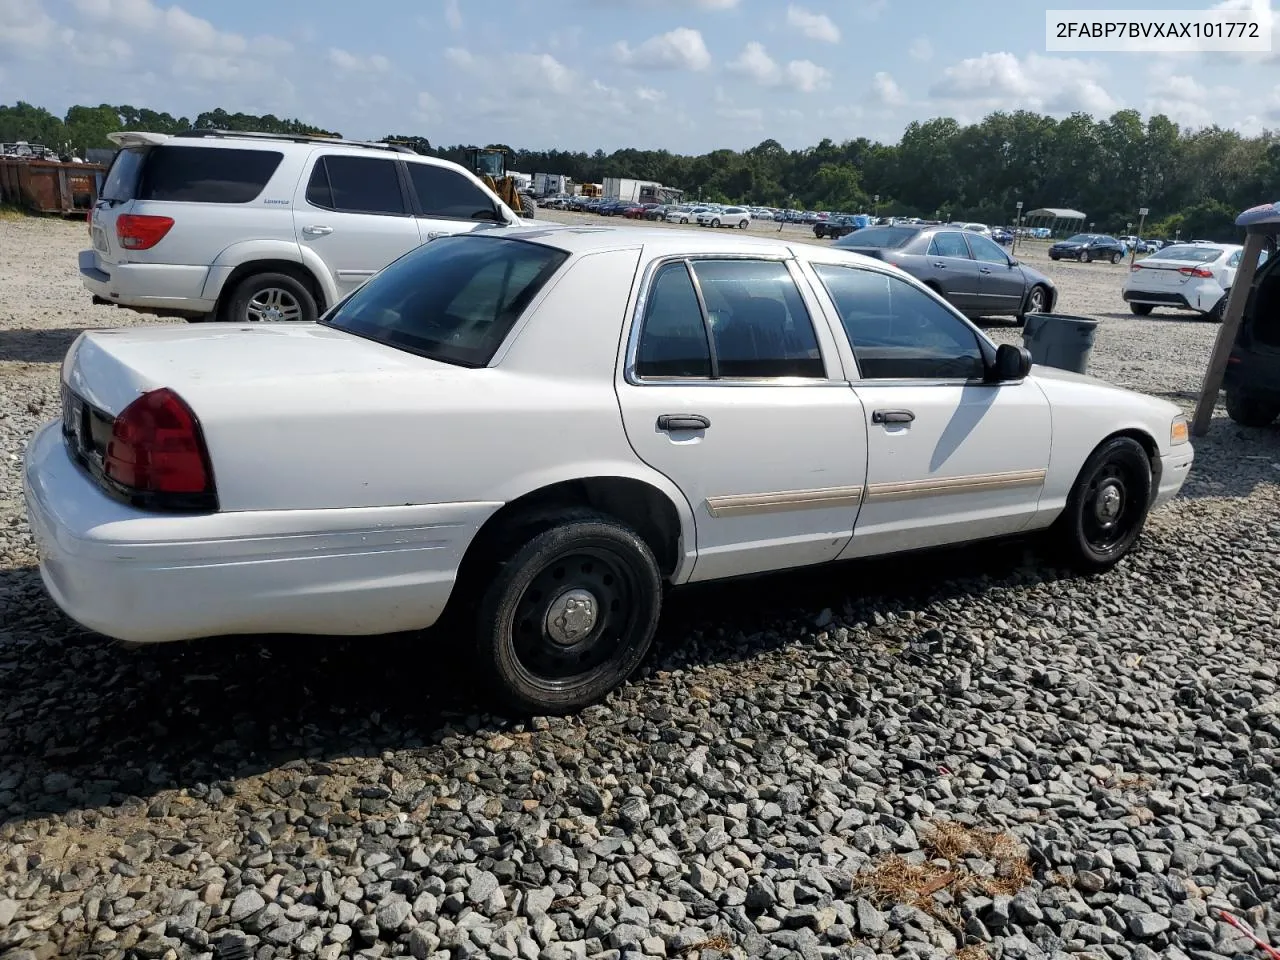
[{"x": 1179, "y": 431}]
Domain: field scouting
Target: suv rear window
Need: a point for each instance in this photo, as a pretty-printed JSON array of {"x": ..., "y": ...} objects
[
  {"x": 122, "y": 177},
  {"x": 453, "y": 299},
  {"x": 889, "y": 238},
  {"x": 206, "y": 174}
]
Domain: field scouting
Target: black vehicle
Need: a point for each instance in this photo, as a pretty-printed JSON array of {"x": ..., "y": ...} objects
[
  {"x": 974, "y": 273},
  {"x": 835, "y": 227},
  {"x": 1252, "y": 380},
  {"x": 1087, "y": 247}
]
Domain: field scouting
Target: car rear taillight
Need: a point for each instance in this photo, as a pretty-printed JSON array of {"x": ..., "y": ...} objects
[
  {"x": 1195, "y": 272},
  {"x": 157, "y": 453},
  {"x": 141, "y": 232},
  {"x": 1135, "y": 267}
]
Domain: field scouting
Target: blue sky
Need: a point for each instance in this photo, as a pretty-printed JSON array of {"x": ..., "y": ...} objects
[{"x": 686, "y": 75}]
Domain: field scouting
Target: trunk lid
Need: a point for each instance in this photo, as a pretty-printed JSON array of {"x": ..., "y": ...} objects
[{"x": 211, "y": 365}]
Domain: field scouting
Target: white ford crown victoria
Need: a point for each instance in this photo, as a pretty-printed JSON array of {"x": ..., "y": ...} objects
[{"x": 539, "y": 429}]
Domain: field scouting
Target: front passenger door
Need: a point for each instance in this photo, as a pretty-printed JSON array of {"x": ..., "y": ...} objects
[
  {"x": 449, "y": 203},
  {"x": 951, "y": 457},
  {"x": 1002, "y": 284}
]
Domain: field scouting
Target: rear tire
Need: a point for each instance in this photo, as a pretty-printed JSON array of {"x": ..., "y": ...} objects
[
  {"x": 1219, "y": 311},
  {"x": 743, "y": 224},
  {"x": 269, "y": 298},
  {"x": 1249, "y": 410},
  {"x": 568, "y": 616},
  {"x": 1107, "y": 508},
  {"x": 529, "y": 207},
  {"x": 1140, "y": 309}
]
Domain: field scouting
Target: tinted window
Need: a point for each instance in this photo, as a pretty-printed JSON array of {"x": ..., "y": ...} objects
[
  {"x": 454, "y": 299},
  {"x": 888, "y": 238},
  {"x": 1189, "y": 254},
  {"x": 122, "y": 177},
  {"x": 673, "y": 341},
  {"x": 445, "y": 193},
  {"x": 988, "y": 251},
  {"x": 899, "y": 332},
  {"x": 758, "y": 320},
  {"x": 356, "y": 185},
  {"x": 1081, "y": 238},
  {"x": 206, "y": 174},
  {"x": 948, "y": 245}
]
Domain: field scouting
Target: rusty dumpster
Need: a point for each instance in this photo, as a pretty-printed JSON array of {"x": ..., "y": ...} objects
[{"x": 47, "y": 186}]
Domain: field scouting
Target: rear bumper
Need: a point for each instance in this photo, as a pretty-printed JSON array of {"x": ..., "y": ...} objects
[
  {"x": 148, "y": 578},
  {"x": 147, "y": 286},
  {"x": 1202, "y": 297}
]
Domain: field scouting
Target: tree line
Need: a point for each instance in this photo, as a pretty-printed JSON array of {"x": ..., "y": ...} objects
[{"x": 1193, "y": 181}]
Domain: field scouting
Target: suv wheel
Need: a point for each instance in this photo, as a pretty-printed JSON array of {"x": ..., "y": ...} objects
[
  {"x": 270, "y": 298},
  {"x": 1249, "y": 410}
]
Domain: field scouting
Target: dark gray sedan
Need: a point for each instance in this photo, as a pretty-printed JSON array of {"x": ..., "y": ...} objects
[{"x": 974, "y": 273}]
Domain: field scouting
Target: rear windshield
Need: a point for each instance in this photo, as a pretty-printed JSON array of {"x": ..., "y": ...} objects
[
  {"x": 453, "y": 299},
  {"x": 887, "y": 238},
  {"x": 1189, "y": 253},
  {"x": 122, "y": 177}
]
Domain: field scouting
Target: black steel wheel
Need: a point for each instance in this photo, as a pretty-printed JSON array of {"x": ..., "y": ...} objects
[
  {"x": 1108, "y": 505},
  {"x": 569, "y": 616}
]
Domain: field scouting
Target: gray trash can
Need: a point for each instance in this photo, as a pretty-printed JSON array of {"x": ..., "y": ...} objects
[{"x": 1060, "y": 340}]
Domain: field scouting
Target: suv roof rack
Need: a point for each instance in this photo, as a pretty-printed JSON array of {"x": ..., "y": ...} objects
[{"x": 297, "y": 138}]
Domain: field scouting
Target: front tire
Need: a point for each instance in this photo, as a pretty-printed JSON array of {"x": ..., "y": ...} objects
[
  {"x": 716, "y": 224},
  {"x": 1115, "y": 258},
  {"x": 1140, "y": 309},
  {"x": 569, "y": 616},
  {"x": 1108, "y": 506},
  {"x": 1037, "y": 302},
  {"x": 1249, "y": 410},
  {"x": 1086, "y": 256},
  {"x": 529, "y": 207},
  {"x": 269, "y": 298}
]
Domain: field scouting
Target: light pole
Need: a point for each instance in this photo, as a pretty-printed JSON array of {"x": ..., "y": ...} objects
[
  {"x": 1017, "y": 227},
  {"x": 1142, "y": 218},
  {"x": 875, "y": 206}
]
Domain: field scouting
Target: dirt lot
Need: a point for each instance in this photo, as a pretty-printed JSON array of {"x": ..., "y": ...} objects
[{"x": 966, "y": 754}]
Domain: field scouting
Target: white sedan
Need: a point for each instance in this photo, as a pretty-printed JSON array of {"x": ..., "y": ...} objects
[
  {"x": 531, "y": 433},
  {"x": 1186, "y": 276}
]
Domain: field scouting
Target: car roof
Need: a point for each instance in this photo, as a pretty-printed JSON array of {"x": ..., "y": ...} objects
[
  {"x": 659, "y": 242},
  {"x": 231, "y": 139}
]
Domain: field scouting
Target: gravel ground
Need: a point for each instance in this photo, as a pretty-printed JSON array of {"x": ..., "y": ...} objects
[{"x": 884, "y": 760}]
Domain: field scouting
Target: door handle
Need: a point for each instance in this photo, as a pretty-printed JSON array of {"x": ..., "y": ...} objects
[
  {"x": 892, "y": 416},
  {"x": 985, "y": 270},
  {"x": 683, "y": 421},
  {"x": 317, "y": 230},
  {"x": 939, "y": 264}
]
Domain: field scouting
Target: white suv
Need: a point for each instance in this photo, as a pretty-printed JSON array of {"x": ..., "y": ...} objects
[{"x": 213, "y": 225}]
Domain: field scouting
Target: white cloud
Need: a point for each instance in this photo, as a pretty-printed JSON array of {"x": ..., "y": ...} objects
[
  {"x": 453, "y": 14},
  {"x": 807, "y": 77},
  {"x": 459, "y": 57},
  {"x": 1001, "y": 81},
  {"x": 885, "y": 89},
  {"x": 545, "y": 72},
  {"x": 1186, "y": 101},
  {"x": 650, "y": 95},
  {"x": 754, "y": 61},
  {"x": 680, "y": 49},
  {"x": 1262, "y": 9},
  {"x": 815, "y": 26},
  {"x": 428, "y": 108},
  {"x": 25, "y": 27},
  {"x": 921, "y": 49},
  {"x": 804, "y": 76},
  {"x": 354, "y": 63}
]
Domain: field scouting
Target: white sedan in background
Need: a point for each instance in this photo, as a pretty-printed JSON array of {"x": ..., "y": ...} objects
[
  {"x": 529, "y": 434},
  {"x": 1186, "y": 276}
]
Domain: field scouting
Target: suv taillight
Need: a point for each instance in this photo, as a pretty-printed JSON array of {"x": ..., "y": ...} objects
[
  {"x": 157, "y": 453},
  {"x": 141, "y": 232}
]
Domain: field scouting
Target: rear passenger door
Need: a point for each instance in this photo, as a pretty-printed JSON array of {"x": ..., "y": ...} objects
[
  {"x": 733, "y": 392},
  {"x": 354, "y": 213},
  {"x": 446, "y": 202},
  {"x": 953, "y": 270}
]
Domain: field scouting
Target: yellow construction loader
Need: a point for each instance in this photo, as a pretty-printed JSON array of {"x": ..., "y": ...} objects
[{"x": 491, "y": 167}]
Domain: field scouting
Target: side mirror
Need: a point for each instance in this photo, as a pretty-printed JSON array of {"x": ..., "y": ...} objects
[
  {"x": 1012, "y": 363},
  {"x": 1013, "y": 262}
]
